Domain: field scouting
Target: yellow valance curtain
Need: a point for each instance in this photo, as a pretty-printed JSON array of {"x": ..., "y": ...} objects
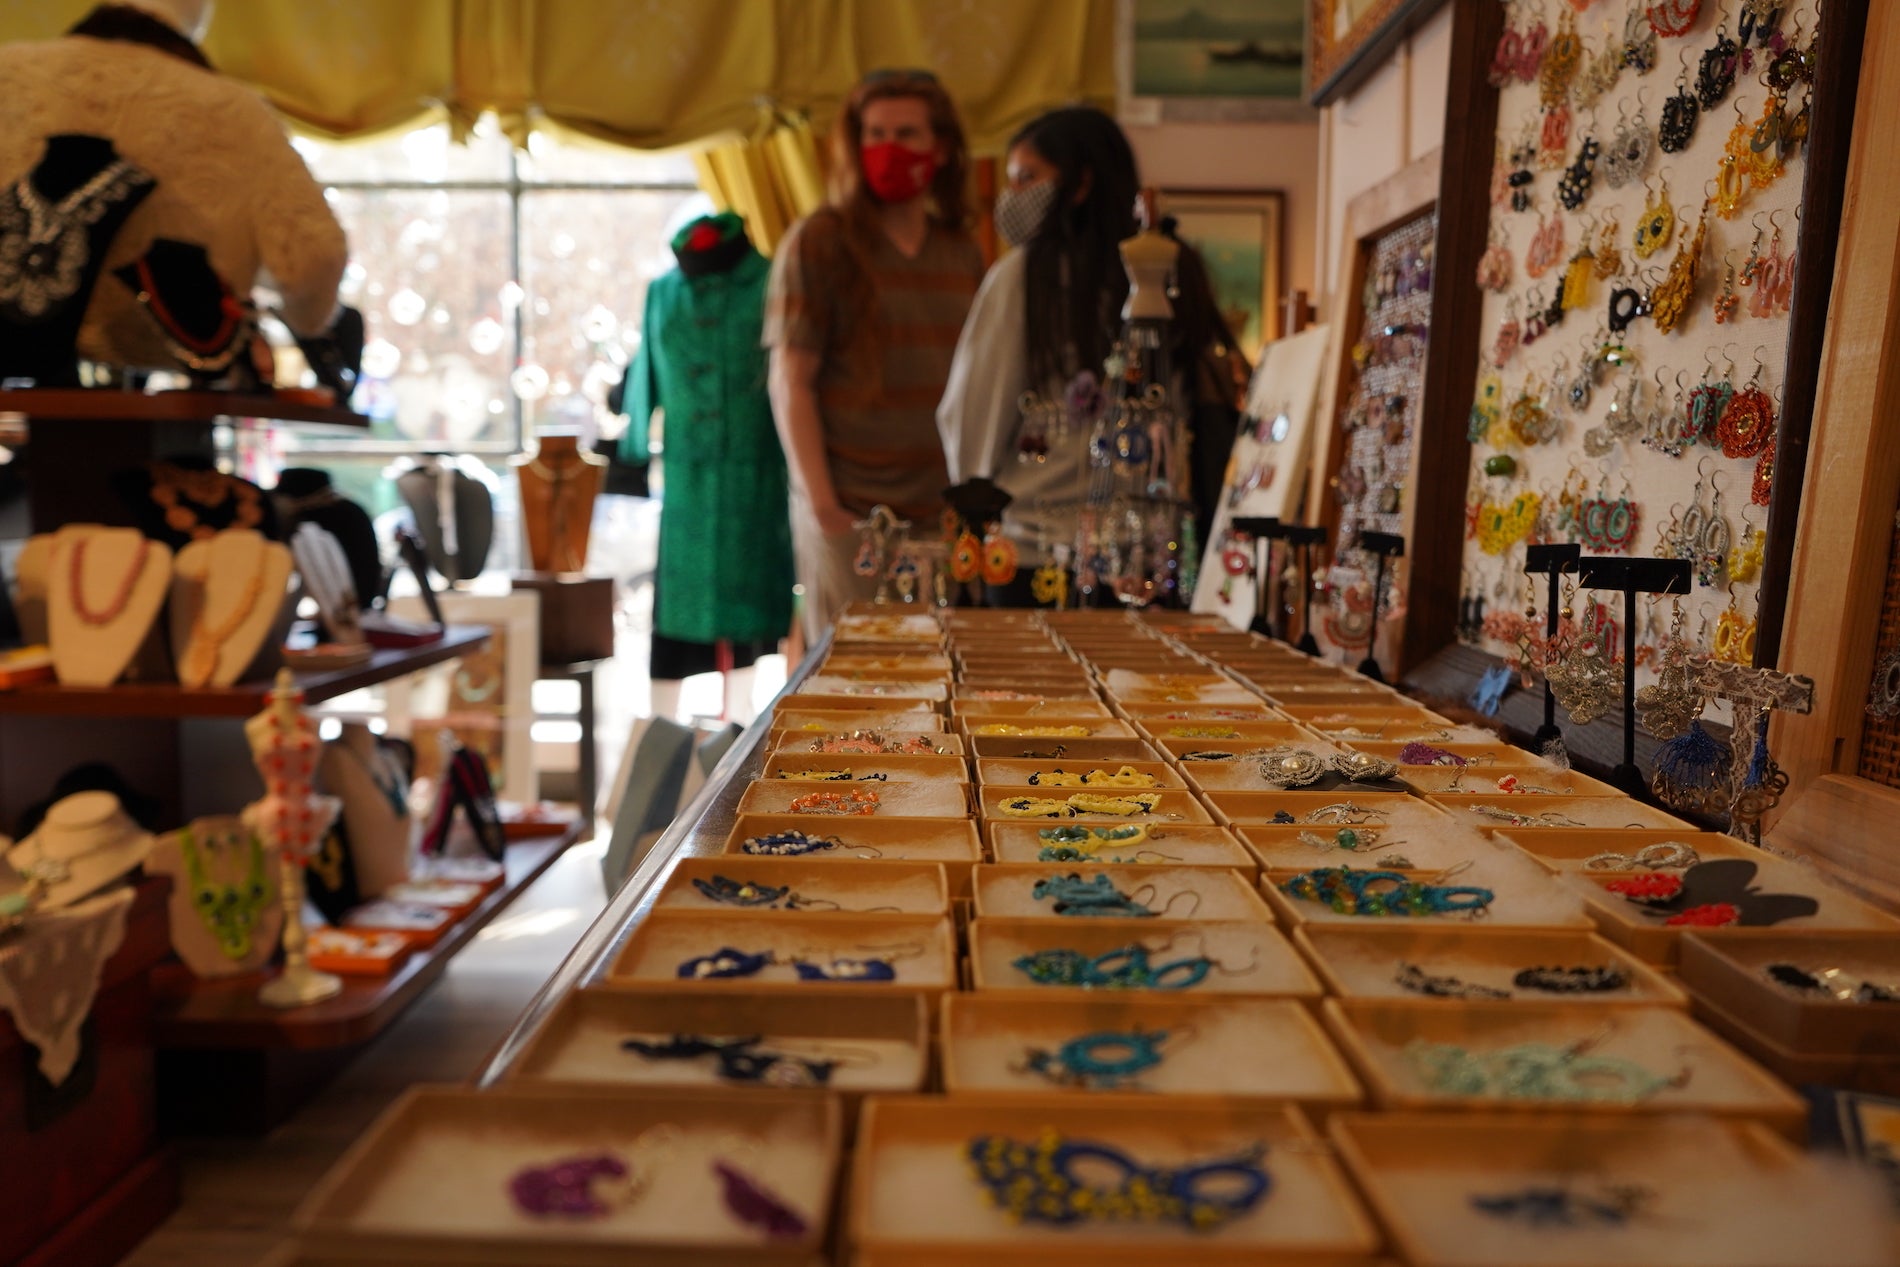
[
  {"x": 772, "y": 179},
  {"x": 649, "y": 75}
]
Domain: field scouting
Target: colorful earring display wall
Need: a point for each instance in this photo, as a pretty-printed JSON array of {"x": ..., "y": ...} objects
[
  {"x": 1378, "y": 414},
  {"x": 1645, "y": 210}
]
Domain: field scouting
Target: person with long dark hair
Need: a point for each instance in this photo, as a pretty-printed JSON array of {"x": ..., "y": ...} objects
[
  {"x": 1044, "y": 323},
  {"x": 866, "y": 299}
]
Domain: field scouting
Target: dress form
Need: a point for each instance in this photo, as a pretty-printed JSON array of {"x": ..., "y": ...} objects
[
  {"x": 104, "y": 589},
  {"x": 1148, "y": 258},
  {"x": 227, "y": 598},
  {"x": 292, "y": 821},
  {"x": 559, "y": 483}
]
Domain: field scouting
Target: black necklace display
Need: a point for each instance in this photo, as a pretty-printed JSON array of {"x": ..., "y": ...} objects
[
  {"x": 304, "y": 495},
  {"x": 457, "y": 546}
]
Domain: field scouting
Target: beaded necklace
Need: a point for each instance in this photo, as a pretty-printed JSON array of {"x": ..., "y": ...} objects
[
  {"x": 123, "y": 594},
  {"x": 228, "y": 910},
  {"x": 207, "y": 641}
]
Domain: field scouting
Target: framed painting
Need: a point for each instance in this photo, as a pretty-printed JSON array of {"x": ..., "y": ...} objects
[
  {"x": 1241, "y": 237},
  {"x": 1348, "y": 39},
  {"x": 1207, "y": 61}
]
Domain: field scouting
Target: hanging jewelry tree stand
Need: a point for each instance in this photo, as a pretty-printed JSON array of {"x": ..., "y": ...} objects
[
  {"x": 1304, "y": 538},
  {"x": 1553, "y": 561},
  {"x": 1632, "y": 577},
  {"x": 1264, "y": 529},
  {"x": 1382, "y": 546}
]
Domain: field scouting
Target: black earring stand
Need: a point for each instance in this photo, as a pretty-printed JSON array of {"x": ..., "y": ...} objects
[
  {"x": 1554, "y": 560},
  {"x": 1632, "y": 577},
  {"x": 1304, "y": 538},
  {"x": 1386, "y": 545},
  {"x": 1264, "y": 529}
]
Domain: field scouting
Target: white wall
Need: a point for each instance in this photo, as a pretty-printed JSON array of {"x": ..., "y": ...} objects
[
  {"x": 1395, "y": 116},
  {"x": 1243, "y": 157}
]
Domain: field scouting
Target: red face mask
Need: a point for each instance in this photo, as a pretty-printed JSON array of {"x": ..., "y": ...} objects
[{"x": 895, "y": 172}]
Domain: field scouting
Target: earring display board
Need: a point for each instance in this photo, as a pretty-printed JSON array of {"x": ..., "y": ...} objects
[
  {"x": 1636, "y": 286},
  {"x": 1265, "y": 472}
]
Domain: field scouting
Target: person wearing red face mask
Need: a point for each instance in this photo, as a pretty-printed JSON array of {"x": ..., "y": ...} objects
[{"x": 866, "y": 298}]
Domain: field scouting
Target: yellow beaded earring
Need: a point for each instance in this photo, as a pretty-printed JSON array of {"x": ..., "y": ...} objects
[{"x": 1669, "y": 302}]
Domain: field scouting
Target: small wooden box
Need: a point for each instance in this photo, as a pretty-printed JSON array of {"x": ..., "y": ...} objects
[
  {"x": 817, "y": 887},
  {"x": 1557, "y": 812},
  {"x": 842, "y": 721},
  {"x": 865, "y": 768},
  {"x": 912, "y": 1187},
  {"x": 1282, "y": 848},
  {"x": 1362, "y": 962},
  {"x": 1171, "y": 845},
  {"x": 1065, "y": 706},
  {"x": 1720, "y": 1191},
  {"x": 1565, "y": 849},
  {"x": 1006, "y": 891},
  {"x": 1514, "y": 905},
  {"x": 577, "y": 615},
  {"x": 1322, "y": 717},
  {"x": 1249, "y": 958},
  {"x": 1054, "y": 727},
  {"x": 1237, "y": 1049},
  {"x": 951, "y": 841},
  {"x": 1727, "y": 969},
  {"x": 430, "y": 1179},
  {"x": 1173, "y": 804},
  {"x": 1019, "y": 773},
  {"x": 920, "y": 948},
  {"x": 1482, "y": 781},
  {"x": 1239, "y": 808},
  {"x": 1254, "y": 710},
  {"x": 1217, "y": 731},
  {"x": 799, "y": 742},
  {"x": 1016, "y": 747},
  {"x": 1377, "y": 1035},
  {"x": 894, "y": 800}
]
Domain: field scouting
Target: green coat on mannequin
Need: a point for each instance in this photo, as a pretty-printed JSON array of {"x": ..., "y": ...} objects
[{"x": 725, "y": 567}]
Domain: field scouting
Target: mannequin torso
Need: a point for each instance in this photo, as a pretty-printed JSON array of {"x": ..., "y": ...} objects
[{"x": 558, "y": 486}]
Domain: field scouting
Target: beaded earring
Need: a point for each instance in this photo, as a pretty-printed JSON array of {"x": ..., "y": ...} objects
[
  {"x": 1538, "y": 323},
  {"x": 1734, "y": 634},
  {"x": 1761, "y": 488},
  {"x": 1040, "y": 1182},
  {"x": 1639, "y": 41},
  {"x": 1669, "y": 302},
  {"x": 999, "y": 558},
  {"x": 1747, "y": 425},
  {"x": 1485, "y": 407},
  {"x": 1609, "y": 254},
  {"x": 1609, "y": 526},
  {"x": 1657, "y": 225},
  {"x": 1596, "y": 75},
  {"x": 1759, "y": 21},
  {"x": 1731, "y": 174},
  {"x": 1673, "y": 17},
  {"x": 1573, "y": 187},
  {"x": 1764, "y": 160},
  {"x": 966, "y": 557},
  {"x": 1494, "y": 266},
  {"x": 1521, "y": 178},
  {"x": 1385, "y": 893},
  {"x": 1771, "y": 276},
  {"x": 1726, "y": 303},
  {"x": 1530, "y": 51},
  {"x": 1706, "y": 404},
  {"x": 1559, "y": 64},
  {"x": 1744, "y": 560},
  {"x": 1510, "y": 334},
  {"x": 1530, "y": 421},
  {"x": 1628, "y": 154},
  {"x": 1106, "y": 1060},
  {"x": 1711, "y": 548},
  {"x": 1575, "y": 289},
  {"x": 1537, "y": 1071},
  {"x": 1546, "y": 247},
  {"x": 1553, "y": 139},
  {"x": 1715, "y": 74},
  {"x": 1679, "y": 114},
  {"x": 1504, "y": 58}
]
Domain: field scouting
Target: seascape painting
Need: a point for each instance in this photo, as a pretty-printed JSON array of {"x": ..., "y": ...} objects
[{"x": 1219, "y": 48}]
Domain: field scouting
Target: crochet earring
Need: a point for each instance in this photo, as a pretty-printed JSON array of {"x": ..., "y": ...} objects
[
  {"x": 1657, "y": 227},
  {"x": 1485, "y": 407},
  {"x": 1715, "y": 74},
  {"x": 1669, "y": 302},
  {"x": 1731, "y": 175},
  {"x": 1639, "y": 41},
  {"x": 1763, "y": 162},
  {"x": 999, "y": 557},
  {"x": 1761, "y": 488},
  {"x": 1559, "y": 66},
  {"x": 1679, "y": 114},
  {"x": 1629, "y": 151},
  {"x": 1734, "y": 634},
  {"x": 1510, "y": 334},
  {"x": 1553, "y": 139},
  {"x": 1711, "y": 549},
  {"x": 1744, "y": 560},
  {"x": 1772, "y": 276},
  {"x": 1747, "y": 425},
  {"x": 1609, "y": 253},
  {"x": 1546, "y": 248},
  {"x": 1672, "y": 17},
  {"x": 1573, "y": 187},
  {"x": 1707, "y": 402},
  {"x": 1494, "y": 266}
]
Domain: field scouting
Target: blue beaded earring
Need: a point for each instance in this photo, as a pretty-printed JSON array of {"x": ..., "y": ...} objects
[
  {"x": 1064, "y": 1181},
  {"x": 1106, "y": 1060},
  {"x": 751, "y": 895},
  {"x": 1097, "y": 895}
]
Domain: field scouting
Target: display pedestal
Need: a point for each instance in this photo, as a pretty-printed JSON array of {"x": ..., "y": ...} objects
[
  {"x": 86, "y": 1176},
  {"x": 577, "y": 615}
]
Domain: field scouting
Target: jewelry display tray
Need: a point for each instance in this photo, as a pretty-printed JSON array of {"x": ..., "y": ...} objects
[
  {"x": 1374, "y": 1035},
  {"x": 1012, "y": 747},
  {"x": 1252, "y": 1049},
  {"x": 1359, "y": 963},
  {"x": 1564, "y": 849},
  {"x": 1239, "y": 808},
  {"x": 1176, "y": 805},
  {"x": 665, "y": 939},
  {"x": 895, "y": 800},
  {"x": 951, "y": 841},
  {"x": 1531, "y": 909},
  {"x": 1220, "y": 730},
  {"x": 908, "y": 888},
  {"x": 881, "y": 711},
  {"x": 883, "y": 1041},
  {"x": 1727, "y": 1192},
  {"x": 867, "y": 769},
  {"x": 1026, "y": 710},
  {"x": 1727, "y": 969},
  {"x": 1278, "y": 847},
  {"x": 1596, "y": 812},
  {"x": 813, "y": 722},
  {"x": 1482, "y": 784},
  {"x": 429, "y": 1179},
  {"x": 1252, "y": 711},
  {"x": 1017, "y": 773},
  {"x": 1625, "y": 923},
  {"x": 1006, "y": 890},
  {"x": 1182, "y": 845},
  {"x": 1095, "y": 727},
  {"x": 911, "y": 1185},
  {"x": 1260, "y": 962}
]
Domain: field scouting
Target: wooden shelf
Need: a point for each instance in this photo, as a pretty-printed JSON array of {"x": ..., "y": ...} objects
[
  {"x": 189, "y": 1013},
  {"x": 246, "y": 699},
  {"x": 79, "y": 404}
]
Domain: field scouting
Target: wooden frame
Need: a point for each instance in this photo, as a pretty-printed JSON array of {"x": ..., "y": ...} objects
[
  {"x": 1269, "y": 205},
  {"x": 1153, "y": 108},
  {"x": 1338, "y": 61},
  {"x": 1841, "y": 820}
]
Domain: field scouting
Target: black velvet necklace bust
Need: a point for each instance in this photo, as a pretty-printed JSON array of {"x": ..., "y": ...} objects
[
  {"x": 473, "y": 511},
  {"x": 305, "y": 495}
]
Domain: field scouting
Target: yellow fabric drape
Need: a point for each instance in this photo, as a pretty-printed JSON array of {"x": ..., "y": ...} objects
[
  {"x": 770, "y": 180},
  {"x": 650, "y": 74}
]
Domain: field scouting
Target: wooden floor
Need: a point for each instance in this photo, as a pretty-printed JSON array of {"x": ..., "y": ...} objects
[{"x": 238, "y": 1194}]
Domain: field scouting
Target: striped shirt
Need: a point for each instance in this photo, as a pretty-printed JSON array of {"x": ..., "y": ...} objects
[{"x": 878, "y": 388}]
